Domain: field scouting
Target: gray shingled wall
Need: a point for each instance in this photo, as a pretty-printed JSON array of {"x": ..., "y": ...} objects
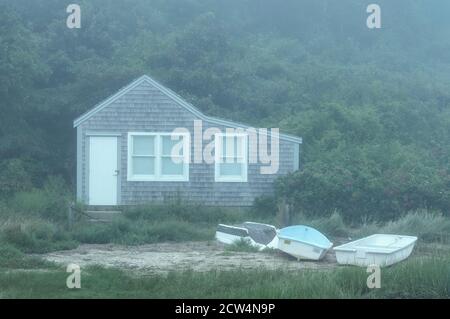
[{"x": 146, "y": 109}]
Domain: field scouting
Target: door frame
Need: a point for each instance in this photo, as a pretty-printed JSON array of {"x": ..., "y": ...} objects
[{"x": 87, "y": 150}]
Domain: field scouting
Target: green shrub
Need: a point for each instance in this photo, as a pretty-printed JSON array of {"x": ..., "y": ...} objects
[
  {"x": 4, "y": 210},
  {"x": 49, "y": 202},
  {"x": 11, "y": 257},
  {"x": 428, "y": 226},
  {"x": 143, "y": 232},
  {"x": 94, "y": 233},
  {"x": 15, "y": 235},
  {"x": 264, "y": 206},
  {"x": 177, "y": 231},
  {"x": 242, "y": 245},
  {"x": 147, "y": 212},
  {"x": 35, "y": 236},
  {"x": 186, "y": 212},
  {"x": 14, "y": 177},
  {"x": 333, "y": 225},
  {"x": 380, "y": 181},
  {"x": 9, "y": 254}
]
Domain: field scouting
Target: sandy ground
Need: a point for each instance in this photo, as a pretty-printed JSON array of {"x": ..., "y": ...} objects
[{"x": 197, "y": 256}]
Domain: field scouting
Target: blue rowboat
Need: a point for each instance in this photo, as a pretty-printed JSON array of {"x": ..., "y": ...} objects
[{"x": 303, "y": 242}]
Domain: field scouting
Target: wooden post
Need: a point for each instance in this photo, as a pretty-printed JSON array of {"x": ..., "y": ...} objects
[
  {"x": 284, "y": 213},
  {"x": 288, "y": 214}
]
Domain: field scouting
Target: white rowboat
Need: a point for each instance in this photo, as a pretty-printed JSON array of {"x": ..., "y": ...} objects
[
  {"x": 378, "y": 249},
  {"x": 257, "y": 234}
]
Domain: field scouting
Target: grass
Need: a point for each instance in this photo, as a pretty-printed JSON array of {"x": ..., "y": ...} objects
[
  {"x": 31, "y": 231},
  {"x": 427, "y": 226},
  {"x": 242, "y": 245},
  {"x": 12, "y": 258},
  {"x": 35, "y": 235},
  {"x": 177, "y": 222},
  {"x": 424, "y": 275},
  {"x": 414, "y": 278},
  {"x": 126, "y": 232}
]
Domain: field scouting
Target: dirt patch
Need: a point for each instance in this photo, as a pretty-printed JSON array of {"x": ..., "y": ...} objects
[{"x": 197, "y": 256}]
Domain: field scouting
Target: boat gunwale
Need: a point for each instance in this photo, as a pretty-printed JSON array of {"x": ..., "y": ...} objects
[
  {"x": 235, "y": 227},
  {"x": 305, "y": 242},
  {"x": 255, "y": 223},
  {"x": 254, "y": 243},
  {"x": 280, "y": 236}
]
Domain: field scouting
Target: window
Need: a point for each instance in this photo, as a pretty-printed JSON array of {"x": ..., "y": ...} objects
[
  {"x": 143, "y": 156},
  {"x": 158, "y": 157},
  {"x": 231, "y": 157}
]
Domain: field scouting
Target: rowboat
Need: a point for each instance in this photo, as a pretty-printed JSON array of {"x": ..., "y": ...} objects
[
  {"x": 256, "y": 234},
  {"x": 377, "y": 249},
  {"x": 303, "y": 242}
]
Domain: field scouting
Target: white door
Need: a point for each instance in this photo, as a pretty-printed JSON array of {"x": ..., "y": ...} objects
[{"x": 103, "y": 170}]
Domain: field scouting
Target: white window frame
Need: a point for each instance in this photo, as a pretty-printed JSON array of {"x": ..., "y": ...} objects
[
  {"x": 218, "y": 139},
  {"x": 158, "y": 176}
]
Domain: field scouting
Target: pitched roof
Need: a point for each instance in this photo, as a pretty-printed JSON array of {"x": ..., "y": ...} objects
[{"x": 176, "y": 98}]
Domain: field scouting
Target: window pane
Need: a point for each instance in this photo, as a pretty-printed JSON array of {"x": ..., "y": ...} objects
[
  {"x": 143, "y": 145},
  {"x": 168, "y": 167},
  {"x": 239, "y": 145},
  {"x": 232, "y": 146},
  {"x": 229, "y": 146},
  {"x": 230, "y": 160},
  {"x": 143, "y": 165},
  {"x": 230, "y": 169},
  {"x": 168, "y": 144}
]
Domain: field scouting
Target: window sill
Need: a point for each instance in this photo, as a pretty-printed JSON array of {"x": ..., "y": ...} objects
[
  {"x": 230, "y": 180},
  {"x": 158, "y": 179}
]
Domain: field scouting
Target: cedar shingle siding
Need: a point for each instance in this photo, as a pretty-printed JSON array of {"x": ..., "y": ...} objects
[{"x": 145, "y": 108}]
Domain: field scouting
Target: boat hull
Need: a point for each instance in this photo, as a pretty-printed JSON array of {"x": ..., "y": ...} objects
[
  {"x": 301, "y": 250},
  {"x": 303, "y": 242},
  {"x": 250, "y": 232},
  {"x": 379, "y": 249}
]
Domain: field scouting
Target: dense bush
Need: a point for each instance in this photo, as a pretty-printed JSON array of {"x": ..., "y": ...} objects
[
  {"x": 11, "y": 257},
  {"x": 13, "y": 177},
  {"x": 373, "y": 110},
  {"x": 332, "y": 225},
  {"x": 188, "y": 212},
  {"x": 35, "y": 235},
  {"x": 242, "y": 245},
  {"x": 265, "y": 206},
  {"x": 376, "y": 182},
  {"x": 428, "y": 226},
  {"x": 50, "y": 201}
]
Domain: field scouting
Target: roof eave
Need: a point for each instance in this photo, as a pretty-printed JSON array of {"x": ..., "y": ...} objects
[{"x": 78, "y": 121}]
